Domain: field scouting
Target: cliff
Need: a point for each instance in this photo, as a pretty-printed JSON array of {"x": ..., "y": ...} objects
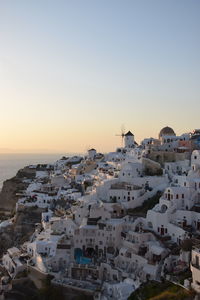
[
  {"x": 24, "y": 220},
  {"x": 21, "y": 229},
  {"x": 11, "y": 187}
]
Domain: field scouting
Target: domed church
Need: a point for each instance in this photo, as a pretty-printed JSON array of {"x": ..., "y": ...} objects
[{"x": 166, "y": 131}]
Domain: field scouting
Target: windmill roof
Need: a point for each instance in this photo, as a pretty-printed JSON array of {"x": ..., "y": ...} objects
[{"x": 129, "y": 133}]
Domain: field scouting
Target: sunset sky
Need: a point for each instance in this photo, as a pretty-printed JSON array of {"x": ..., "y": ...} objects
[{"x": 72, "y": 72}]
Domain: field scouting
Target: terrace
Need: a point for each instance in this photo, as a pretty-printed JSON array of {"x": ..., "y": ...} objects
[{"x": 125, "y": 186}]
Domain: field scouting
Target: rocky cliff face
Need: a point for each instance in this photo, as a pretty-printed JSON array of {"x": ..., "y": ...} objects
[
  {"x": 21, "y": 229},
  {"x": 24, "y": 220},
  {"x": 24, "y": 223},
  {"x": 11, "y": 187},
  {"x": 6, "y": 239}
]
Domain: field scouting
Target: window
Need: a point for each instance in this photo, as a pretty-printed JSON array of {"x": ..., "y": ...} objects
[
  {"x": 183, "y": 196},
  {"x": 114, "y": 277},
  {"x": 177, "y": 196},
  {"x": 150, "y": 225}
]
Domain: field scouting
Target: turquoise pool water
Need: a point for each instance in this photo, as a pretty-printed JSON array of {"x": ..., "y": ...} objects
[
  {"x": 80, "y": 259},
  {"x": 83, "y": 260}
]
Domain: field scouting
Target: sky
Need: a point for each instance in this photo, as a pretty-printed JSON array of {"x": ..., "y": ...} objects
[{"x": 72, "y": 72}]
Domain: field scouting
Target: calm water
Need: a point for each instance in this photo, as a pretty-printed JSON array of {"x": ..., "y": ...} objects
[{"x": 11, "y": 163}]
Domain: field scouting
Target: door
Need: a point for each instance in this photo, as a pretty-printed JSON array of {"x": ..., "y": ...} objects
[
  {"x": 197, "y": 261},
  {"x": 184, "y": 222},
  {"x": 198, "y": 225}
]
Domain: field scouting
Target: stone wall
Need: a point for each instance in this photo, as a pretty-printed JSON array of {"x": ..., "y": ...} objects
[{"x": 165, "y": 156}]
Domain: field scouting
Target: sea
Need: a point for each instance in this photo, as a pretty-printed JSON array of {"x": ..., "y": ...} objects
[{"x": 11, "y": 163}]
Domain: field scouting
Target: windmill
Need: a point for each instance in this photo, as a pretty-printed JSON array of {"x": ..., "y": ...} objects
[
  {"x": 122, "y": 134},
  {"x": 86, "y": 150}
]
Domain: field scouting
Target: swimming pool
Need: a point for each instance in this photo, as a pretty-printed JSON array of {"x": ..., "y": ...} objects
[{"x": 83, "y": 260}]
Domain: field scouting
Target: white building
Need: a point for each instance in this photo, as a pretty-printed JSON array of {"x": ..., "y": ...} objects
[
  {"x": 130, "y": 170},
  {"x": 195, "y": 160},
  {"x": 195, "y": 268},
  {"x": 50, "y": 251},
  {"x": 179, "y": 167},
  {"x": 129, "y": 140},
  {"x": 91, "y": 153},
  {"x": 62, "y": 225},
  {"x": 14, "y": 262}
]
